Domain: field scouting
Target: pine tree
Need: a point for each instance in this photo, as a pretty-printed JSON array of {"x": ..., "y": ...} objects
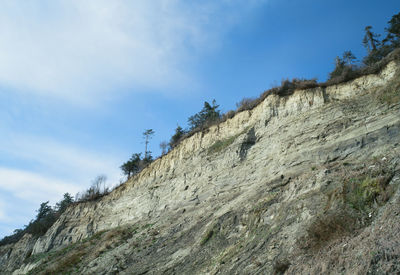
[
  {"x": 208, "y": 115},
  {"x": 370, "y": 40},
  {"x": 147, "y": 135},
  {"x": 393, "y": 36},
  {"x": 64, "y": 203},
  {"x": 179, "y": 133},
  {"x": 132, "y": 166},
  {"x": 344, "y": 65}
]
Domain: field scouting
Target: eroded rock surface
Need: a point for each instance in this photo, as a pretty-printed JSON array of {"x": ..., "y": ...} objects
[{"x": 307, "y": 183}]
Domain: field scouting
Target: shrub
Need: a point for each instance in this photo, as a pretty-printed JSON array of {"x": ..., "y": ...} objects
[
  {"x": 228, "y": 115},
  {"x": 364, "y": 192},
  {"x": 45, "y": 218},
  {"x": 246, "y": 104},
  {"x": 280, "y": 266},
  {"x": 221, "y": 144},
  {"x": 328, "y": 226},
  {"x": 390, "y": 94},
  {"x": 18, "y": 234},
  {"x": 95, "y": 191},
  {"x": 344, "y": 67},
  {"x": 64, "y": 203},
  {"x": 177, "y": 137}
]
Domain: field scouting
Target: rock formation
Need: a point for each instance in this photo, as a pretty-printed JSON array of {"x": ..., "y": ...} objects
[{"x": 301, "y": 184}]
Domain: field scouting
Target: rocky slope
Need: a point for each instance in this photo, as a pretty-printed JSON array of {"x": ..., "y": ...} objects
[{"x": 306, "y": 183}]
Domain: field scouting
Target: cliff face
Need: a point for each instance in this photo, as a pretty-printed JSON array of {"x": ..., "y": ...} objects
[{"x": 306, "y": 183}]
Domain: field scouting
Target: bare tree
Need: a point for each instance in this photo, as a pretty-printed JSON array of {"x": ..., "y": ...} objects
[
  {"x": 163, "y": 147},
  {"x": 99, "y": 184}
]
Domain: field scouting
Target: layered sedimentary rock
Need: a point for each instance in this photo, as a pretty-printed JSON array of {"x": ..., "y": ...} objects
[{"x": 299, "y": 184}]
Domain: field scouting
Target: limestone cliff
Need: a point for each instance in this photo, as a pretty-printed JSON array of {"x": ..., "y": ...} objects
[{"x": 306, "y": 183}]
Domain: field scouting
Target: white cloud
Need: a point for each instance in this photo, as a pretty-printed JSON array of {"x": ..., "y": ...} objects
[
  {"x": 77, "y": 49},
  {"x": 45, "y": 170},
  {"x": 48, "y": 158},
  {"x": 38, "y": 169},
  {"x": 33, "y": 187},
  {"x": 2, "y": 212}
]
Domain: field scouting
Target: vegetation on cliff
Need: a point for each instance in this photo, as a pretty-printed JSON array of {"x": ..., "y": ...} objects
[{"x": 364, "y": 190}]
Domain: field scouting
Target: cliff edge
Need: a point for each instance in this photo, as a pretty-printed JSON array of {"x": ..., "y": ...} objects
[{"x": 306, "y": 183}]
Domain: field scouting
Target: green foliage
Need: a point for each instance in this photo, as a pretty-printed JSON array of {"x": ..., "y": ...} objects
[
  {"x": 15, "y": 237},
  {"x": 246, "y": 104},
  {"x": 393, "y": 30},
  {"x": 377, "y": 50},
  {"x": 208, "y": 115},
  {"x": 147, "y": 135},
  {"x": 221, "y": 144},
  {"x": 364, "y": 193},
  {"x": 95, "y": 191},
  {"x": 343, "y": 66},
  {"x": 69, "y": 257},
  {"x": 132, "y": 166},
  {"x": 370, "y": 40},
  {"x": 390, "y": 94},
  {"x": 175, "y": 139},
  {"x": 377, "y": 55},
  {"x": 146, "y": 160},
  {"x": 64, "y": 203},
  {"x": 45, "y": 218},
  {"x": 136, "y": 164},
  {"x": 44, "y": 210}
]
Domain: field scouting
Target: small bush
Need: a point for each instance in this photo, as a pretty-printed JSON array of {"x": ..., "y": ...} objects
[
  {"x": 329, "y": 226},
  {"x": 221, "y": 144},
  {"x": 228, "y": 115},
  {"x": 280, "y": 266},
  {"x": 96, "y": 190},
  {"x": 177, "y": 137},
  {"x": 365, "y": 192},
  {"x": 18, "y": 234},
  {"x": 390, "y": 94},
  {"x": 246, "y": 104}
]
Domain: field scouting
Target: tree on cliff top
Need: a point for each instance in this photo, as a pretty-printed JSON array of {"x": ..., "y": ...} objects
[
  {"x": 147, "y": 135},
  {"x": 132, "y": 166},
  {"x": 393, "y": 31},
  {"x": 64, "y": 203},
  {"x": 208, "y": 115},
  {"x": 179, "y": 133},
  {"x": 343, "y": 65}
]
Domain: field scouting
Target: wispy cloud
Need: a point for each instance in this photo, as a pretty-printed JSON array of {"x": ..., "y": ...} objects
[
  {"x": 32, "y": 186},
  {"x": 2, "y": 212},
  {"x": 46, "y": 156},
  {"x": 80, "y": 49},
  {"x": 39, "y": 169},
  {"x": 83, "y": 52},
  {"x": 35, "y": 169}
]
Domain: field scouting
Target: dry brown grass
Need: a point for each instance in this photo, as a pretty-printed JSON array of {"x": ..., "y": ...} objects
[
  {"x": 288, "y": 87},
  {"x": 327, "y": 227},
  {"x": 374, "y": 250},
  {"x": 351, "y": 204}
]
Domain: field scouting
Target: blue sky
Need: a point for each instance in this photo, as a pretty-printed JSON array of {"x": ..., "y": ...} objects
[{"x": 81, "y": 80}]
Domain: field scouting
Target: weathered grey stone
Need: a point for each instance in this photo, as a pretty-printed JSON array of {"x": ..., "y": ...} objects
[{"x": 246, "y": 208}]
